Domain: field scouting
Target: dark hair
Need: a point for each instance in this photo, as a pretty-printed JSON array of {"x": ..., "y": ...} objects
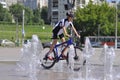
[{"x": 69, "y": 14}]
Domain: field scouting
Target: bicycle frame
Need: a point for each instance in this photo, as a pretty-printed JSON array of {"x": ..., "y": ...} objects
[
  {"x": 58, "y": 55},
  {"x": 68, "y": 42}
]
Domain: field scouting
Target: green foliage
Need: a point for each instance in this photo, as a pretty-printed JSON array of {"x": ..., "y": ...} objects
[
  {"x": 92, "y": 16},
  {"x": 31, "y": 16},
  {"x": 5, "y": 15},
  {"x": 118, "y": 29},
  {"x": 44, "y": 13},
  {"x": 118, "y": 9},
  {"x": 37, "y": 17},
  {"x": 28, "y": 15},
  {"x": 16, "y": 10}
]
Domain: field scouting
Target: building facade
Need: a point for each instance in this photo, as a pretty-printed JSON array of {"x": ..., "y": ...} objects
[
  {"x": 8, "y": 3},
  {"x": 57, "y": 9},
  {"x": 43, "y": 3},
  {"x": 4, "y": 4},
  {"x": 33, "y": 4}
]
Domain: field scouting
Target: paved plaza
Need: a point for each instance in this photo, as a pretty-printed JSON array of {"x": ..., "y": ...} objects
[{"x": 10, "y": 56}]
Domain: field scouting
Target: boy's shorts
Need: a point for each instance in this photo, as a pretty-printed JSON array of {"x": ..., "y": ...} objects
[{"x": 55, "y": 36}]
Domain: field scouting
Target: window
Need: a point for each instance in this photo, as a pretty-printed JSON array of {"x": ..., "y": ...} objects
[
  {"x": 66, "y": 7},
  {"x": 55, "y": 13},
  {"x": 55, "y": 4}
]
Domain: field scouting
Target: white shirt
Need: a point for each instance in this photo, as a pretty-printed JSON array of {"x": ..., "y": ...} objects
[{"x": 63, "y": 23}]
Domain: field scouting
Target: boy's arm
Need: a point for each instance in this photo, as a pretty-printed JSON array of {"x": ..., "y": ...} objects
[
  {"x": 65, "y": 32},
  {"x": 75, "y": 31}
]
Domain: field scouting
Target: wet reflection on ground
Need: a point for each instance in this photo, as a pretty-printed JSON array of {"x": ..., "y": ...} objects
[{"x": 96, "y": 72}]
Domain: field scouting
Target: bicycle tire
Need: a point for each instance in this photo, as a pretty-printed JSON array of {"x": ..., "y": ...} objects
[{"x": 47, "y": 64}]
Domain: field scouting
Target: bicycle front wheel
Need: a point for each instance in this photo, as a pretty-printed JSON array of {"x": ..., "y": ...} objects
[{"x": 47, "y": 63}]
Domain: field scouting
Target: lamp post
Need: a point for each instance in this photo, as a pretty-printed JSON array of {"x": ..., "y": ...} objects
[
  {"x": 23, "y": 31},
  {"x": 116, "y": 26},
  {"x": 98, "y": 32},
  {"x": 17, "y": 32}
]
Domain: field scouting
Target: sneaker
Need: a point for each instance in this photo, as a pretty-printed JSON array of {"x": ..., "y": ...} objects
[
  {"x": 50, "y": 57},
  {"x": 47, "y": 56}
]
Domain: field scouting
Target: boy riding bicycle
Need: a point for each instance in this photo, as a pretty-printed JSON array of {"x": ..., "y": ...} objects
[{"x": 60, "y": 30}]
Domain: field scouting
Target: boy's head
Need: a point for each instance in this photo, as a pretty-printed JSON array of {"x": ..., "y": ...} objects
[{"x": 69, "y": 16}]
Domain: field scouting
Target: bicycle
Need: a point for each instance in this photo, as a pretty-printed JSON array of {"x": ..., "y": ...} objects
[{"x": 47, "y": 64}]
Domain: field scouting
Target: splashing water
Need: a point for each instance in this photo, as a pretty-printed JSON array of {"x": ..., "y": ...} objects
[
  {"x": 88, "y": 52},
  {"x": 30, "y": 57},
  {"x": 109, "y": 55},
  {"x": 71, "y": 58}
]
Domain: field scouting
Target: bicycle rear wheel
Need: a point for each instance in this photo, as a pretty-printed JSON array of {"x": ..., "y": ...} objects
[{"x": 47, "y": 63}]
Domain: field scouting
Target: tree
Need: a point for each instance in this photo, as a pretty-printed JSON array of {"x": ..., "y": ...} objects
[
  {"x": 28, "y": 15},
  {"x": 37, "y": 16},
  {"x": 5, "y": 15},
  {"x": 118, "y": 9},
  {"x": 44, "y": 13},
  {"x": 17, "y": 10},
  {"x": 92, "y": 17}
]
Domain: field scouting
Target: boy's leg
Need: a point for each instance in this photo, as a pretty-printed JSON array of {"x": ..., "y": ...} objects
[
  {"x": 47, "y": 56},
  {"x": 63, "y": 40},
  {"x": 61, "y": 36},
  {"x": 53, "y": 45},
  {"x": 51, "y": 49},
  {"x": 55, "y": 38}
]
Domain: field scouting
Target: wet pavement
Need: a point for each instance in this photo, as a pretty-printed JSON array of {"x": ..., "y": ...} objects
[
  {"x": 9, "y": 72},
  {"x": 9, "y": 58}
]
